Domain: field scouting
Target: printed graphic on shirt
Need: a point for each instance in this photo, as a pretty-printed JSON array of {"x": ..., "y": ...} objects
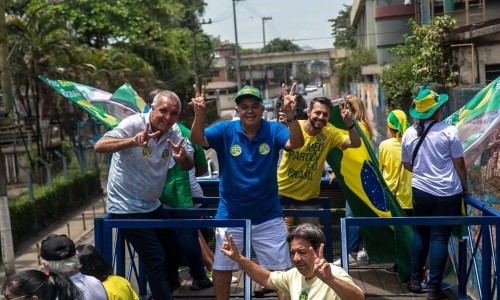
[
  {"x": 264, "y": 149},
  {"x": 310, "y": 155},
  {"x": 235, "y": 150},
  {"x": 147, "y": 152},
  {"x": 164, "y": 154},
  {"x": 303, "y": 296}
]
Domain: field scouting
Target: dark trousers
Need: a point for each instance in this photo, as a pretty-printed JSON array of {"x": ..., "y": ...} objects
[
  {"x": 192, "y": 250},
  {"x": 432, "y": 241},
  {"x": 159, "y": 249}
]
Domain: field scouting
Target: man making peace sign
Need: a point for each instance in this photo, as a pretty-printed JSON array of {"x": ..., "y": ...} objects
[
  {"x": 312, "y": 278},
  {"x": 142, "y": 145},
  {"x": 248, "y": 152}
]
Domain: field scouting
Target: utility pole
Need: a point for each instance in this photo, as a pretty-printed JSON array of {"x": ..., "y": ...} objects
[
  {"x": 6, "y": 77},
  {"x": 5, "y": 228},
  {"x": 236, "y": 52},
  {"x": 195, "y": 57},
  {"x": 264, "y": 19}
]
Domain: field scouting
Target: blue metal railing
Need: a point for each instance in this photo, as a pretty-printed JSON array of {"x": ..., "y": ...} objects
[
  {"x": 104, "y": 241},
  {"x": 114, "y": 253},
  {"x": 323, "y": 213},
  {"x": 489, "y": 252},
  {"x": 482, "y": 269}
]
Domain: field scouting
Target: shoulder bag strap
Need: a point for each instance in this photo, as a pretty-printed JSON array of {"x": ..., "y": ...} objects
[{"x": 421, "y": 140}]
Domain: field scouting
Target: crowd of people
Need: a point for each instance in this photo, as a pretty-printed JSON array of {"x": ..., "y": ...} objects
[{"x": 155, "y": 161}]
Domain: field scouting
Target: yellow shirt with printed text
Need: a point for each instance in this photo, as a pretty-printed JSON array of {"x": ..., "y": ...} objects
[{"x": 299, "y": 172}]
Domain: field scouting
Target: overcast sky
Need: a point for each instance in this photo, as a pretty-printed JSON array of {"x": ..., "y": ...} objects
[{"x": 305, "y": 22}]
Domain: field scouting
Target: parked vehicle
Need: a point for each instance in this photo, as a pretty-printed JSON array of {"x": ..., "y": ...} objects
[
  {"x": 311, "y": 88},
  {"x": 268, "y": 104}
]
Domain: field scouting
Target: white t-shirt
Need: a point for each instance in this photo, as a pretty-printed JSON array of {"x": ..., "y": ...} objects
[
  {"x": 90, "y": 287},
  {"x": 433, "y": 169}
]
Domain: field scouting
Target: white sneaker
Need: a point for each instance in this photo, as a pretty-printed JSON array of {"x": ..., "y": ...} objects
[
  {"x": 352, "y": 260},
  {"x": 362, "y": 255}
]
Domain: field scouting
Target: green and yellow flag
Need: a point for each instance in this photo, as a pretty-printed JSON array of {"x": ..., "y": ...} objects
[
  {"x": 364, "y": 188},
  {"x": 108, "y": 108},
  {"x": 477, "y": 120}
]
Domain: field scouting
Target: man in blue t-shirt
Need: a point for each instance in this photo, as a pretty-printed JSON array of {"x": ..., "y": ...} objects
[{"x": 248, "y": 151}]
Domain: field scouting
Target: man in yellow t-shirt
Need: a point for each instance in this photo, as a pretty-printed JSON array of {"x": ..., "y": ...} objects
[{"x": 300, "y": 170}]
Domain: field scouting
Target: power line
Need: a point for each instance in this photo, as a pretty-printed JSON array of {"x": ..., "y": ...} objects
[
  {"x": 252, "y": 9},
  {"x": 224, "y": 16},
  {"x": 331, "y": 37},
  {"x": 293, "y": 39}
]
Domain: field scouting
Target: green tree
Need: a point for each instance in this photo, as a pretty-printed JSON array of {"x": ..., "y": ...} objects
[
  {"x": 342, "y": 31},
  {"x": 397, "y": 83},
  {"x": 350, "y": 66},
  {"x": 279, "y": 45},
  {"x": 40, "y": 47},
  {"x": 423, "y": 58}
]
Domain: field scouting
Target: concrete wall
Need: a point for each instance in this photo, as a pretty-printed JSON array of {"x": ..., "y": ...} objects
[
  {"x": 391, "y": 23},
  {"x": 473, "y": 59},
  {"x": 363, "y": 19}
]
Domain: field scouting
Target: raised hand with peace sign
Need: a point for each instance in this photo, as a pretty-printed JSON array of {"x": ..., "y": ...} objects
[
  {"x": 289, "y": 102},
  {"x": 198, "y": 101},
  {"x": 142, "y": 138},
  {"x": 322, "y": 268}
]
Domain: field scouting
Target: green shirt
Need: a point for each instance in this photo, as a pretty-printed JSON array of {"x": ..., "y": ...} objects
[{"x": 177, "y": 190}]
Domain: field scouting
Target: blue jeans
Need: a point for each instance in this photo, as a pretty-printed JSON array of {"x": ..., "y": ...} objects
[
  {"x": 432, "y": 241},
  {"x": 159, "y": 249},
  {"x": 353, "y": 236}
]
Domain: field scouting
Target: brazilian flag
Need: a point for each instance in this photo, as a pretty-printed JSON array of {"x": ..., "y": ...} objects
[
  {"x": 363, "y": 186},
  {"x": 108, "y": 108},
  {"x": 477, "y": 120}
]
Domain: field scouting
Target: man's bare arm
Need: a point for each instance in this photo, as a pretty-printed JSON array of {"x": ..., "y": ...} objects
[
  {"x": 256, "y": 272},
  {"x": 108, "y": 144},
  {"x": 344, "y": 289}
]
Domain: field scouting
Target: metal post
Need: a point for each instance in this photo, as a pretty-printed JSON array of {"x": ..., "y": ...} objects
[
  {"x": 195, "y": 61},
  {"x": 264, "y": 19},
  {"x": 462, "y": 266},
  {"x": 486, "y": 264},
  {"x": 6, "y": 77},
  {"x": 83, "y": 221},
  {"x": 30, "y": 182},
  {"x": 80, "y": 158},
  {"x": 7, "y": 245},
  {"x": 47, "y": 169},
  {"x": 236, "y": 52},
  {"x": 64, "y": 161}
]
